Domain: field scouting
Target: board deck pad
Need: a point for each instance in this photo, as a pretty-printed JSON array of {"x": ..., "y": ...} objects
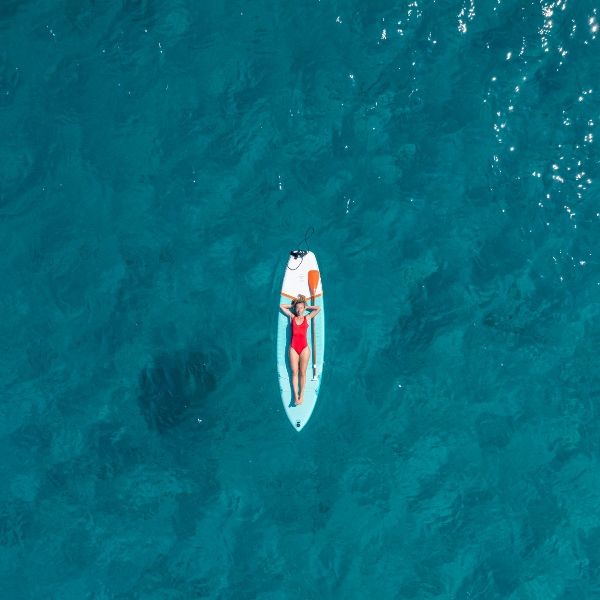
[{"x": 295, "y": 281}]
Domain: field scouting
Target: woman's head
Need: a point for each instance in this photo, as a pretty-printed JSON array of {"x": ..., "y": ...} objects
[{"x": 299, "y": 304}]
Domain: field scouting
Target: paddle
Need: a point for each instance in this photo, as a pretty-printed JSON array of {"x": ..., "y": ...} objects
[{"x": 313, "y": 282}]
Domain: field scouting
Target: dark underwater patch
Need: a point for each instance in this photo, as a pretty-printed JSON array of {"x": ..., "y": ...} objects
[{"x": 173, "y": 385}]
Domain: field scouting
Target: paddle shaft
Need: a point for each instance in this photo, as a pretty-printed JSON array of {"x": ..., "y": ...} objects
[
  {"x": 314, "y": 345},
  {"x": 313, "y": 282}
]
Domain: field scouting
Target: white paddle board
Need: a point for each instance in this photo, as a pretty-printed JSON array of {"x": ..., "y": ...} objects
[{"x": 295, "y": 281}]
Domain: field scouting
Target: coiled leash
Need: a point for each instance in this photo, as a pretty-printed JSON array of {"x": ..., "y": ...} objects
[{"x": 301, "y": 253}]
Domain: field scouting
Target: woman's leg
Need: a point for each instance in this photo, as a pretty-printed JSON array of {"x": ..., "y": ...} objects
[
  {"x": 304, "y": 359},
  {"x": 294, "y": 360}
]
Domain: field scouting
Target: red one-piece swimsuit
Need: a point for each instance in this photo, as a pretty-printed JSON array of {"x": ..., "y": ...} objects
[{"x": 299, "y": 341}]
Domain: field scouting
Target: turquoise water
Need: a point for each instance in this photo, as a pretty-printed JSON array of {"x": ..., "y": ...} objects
[{"x": 159, "y": 160}]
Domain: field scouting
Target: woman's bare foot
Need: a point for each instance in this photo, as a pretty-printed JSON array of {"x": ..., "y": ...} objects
[{"x": 300, "y": 399}]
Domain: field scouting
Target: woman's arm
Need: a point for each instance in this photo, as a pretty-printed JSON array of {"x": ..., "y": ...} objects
[
  {"x": 285, "y": 308},
  {"x": 316, "y": 310}
]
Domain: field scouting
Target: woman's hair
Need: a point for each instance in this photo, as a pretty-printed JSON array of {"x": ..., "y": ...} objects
[{"x": 300, "y": 299}]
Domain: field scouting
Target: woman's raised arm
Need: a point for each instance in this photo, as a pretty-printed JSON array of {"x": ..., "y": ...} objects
[
  {"x": 285, "y": 308},
  {"x": 315, "y": 311}
]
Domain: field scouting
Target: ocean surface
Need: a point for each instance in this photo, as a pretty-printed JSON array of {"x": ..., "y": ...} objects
[{"x": 159, "y": 160}]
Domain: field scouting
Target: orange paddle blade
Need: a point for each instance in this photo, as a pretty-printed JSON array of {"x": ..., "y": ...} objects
[{"x": 313, "y": 280}]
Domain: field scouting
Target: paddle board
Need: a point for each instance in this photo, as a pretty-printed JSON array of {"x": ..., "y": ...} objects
[{"x": 296, "y": 281}]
